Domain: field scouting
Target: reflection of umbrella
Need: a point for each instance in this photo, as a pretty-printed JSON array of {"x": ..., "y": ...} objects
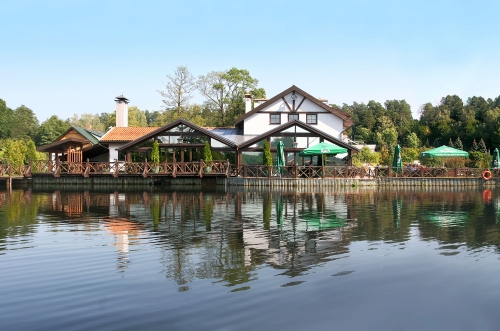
[
  {"x": 397, "y": 205},
  {"x": 280, "y": 157},
  {"x": 322, "y": 221},
  {"x": 279, "y": 210},
  {"x": 397, "y": 163},
  {"x": 447, "y": 218},
  {"x": 496, "y": 159}
]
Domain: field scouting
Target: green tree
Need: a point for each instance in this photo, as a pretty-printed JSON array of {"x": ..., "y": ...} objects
[
  {"x": 87, "y": 121},
  {"x": 412, "y": 140},
  {"x": 6, "y": 115},
  {"x": 268, "y": 159},
  {"x": 482, "y": 146},
  {"x": 474, "y": 147},
  {"x": 458, "y": 144},
  {"x": 225, "y": 89},
  {"x": 50, "y": 130},
  {"x": 136, "y": 117},
  {"x": 24, "y": 123}
]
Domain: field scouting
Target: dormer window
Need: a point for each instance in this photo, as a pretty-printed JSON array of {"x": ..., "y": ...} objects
[{"x": 275, "y": 118}]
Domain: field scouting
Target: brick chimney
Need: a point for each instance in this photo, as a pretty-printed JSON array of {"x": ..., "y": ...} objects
[{"x": 121, "y": 111}]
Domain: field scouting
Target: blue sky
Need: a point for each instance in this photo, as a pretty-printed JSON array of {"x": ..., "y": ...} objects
[{"x": 72, "y": 57}]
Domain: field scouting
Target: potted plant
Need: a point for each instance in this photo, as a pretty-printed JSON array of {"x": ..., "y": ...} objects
[{"x": 207, "y": 157}]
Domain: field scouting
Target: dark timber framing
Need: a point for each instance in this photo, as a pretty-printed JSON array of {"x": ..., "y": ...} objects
[
  {"x": 346, "y": 118},
  {"x": 245, "y": 147}
]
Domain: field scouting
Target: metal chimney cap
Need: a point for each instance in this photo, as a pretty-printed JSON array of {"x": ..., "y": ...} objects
[{"x": 121, "y": 98}]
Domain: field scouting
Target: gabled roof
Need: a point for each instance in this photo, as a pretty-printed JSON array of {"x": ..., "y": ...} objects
[
  {"x": 174, "y": 124},
  {"x": 303, "y": 126},
  {"x": 344, "y": 116},
  {"x": 126, "y": 134},
  {"x": 61, "y": 145},
  {"x": 91, "y": 136}
]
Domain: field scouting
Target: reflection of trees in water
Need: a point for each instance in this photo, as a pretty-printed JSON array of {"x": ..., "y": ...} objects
[{"x": 225, "y": 236}]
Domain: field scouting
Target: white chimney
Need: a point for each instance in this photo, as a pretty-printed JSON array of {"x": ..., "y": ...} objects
[
  {"x": 248, "y": 102},
  {"x": 258, "y": 102},
  {"x": 121, "y": 111}
]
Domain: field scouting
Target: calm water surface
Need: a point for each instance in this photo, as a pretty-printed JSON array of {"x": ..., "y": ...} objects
[{"x": 159, "y": 260}]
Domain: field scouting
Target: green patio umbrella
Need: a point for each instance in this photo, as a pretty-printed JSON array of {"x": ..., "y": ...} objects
[
  {"x": 323, "y": 149},
  {"x": 280, "y": 157},
  {"x": 496, "y": 159},
  {"x": 397, "y": 163},
  {"x": 445, "y": 151}
]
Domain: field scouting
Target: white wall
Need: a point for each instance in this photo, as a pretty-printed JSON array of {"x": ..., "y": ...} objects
[
  {"x": 113, "y": 153},
  {"x": 327, "y": 122}
]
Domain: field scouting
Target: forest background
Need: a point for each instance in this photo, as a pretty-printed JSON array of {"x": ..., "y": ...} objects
[{"x": 472, "y": 125}]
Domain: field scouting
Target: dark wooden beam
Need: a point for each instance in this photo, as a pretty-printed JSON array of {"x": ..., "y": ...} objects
[
  {"x": 300, "y": 104},
  {"x": 287, "y": 105}
]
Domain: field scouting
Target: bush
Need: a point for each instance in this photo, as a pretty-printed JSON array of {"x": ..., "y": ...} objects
[{"x": 479, "y": 160}]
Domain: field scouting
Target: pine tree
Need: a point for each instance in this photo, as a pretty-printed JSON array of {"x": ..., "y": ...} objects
[
  {"x": 268, "y": 159},
  {"x": 474, "y": 147},
  {"x": 450, "y": 144},
  {"x": 458, "y": 144},
  {"x": 482, "y": 146},
  {"x": 155, "y": 152},
  {"x": 207, "y": 154}
]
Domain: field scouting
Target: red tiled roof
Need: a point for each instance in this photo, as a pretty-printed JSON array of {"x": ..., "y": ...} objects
[{"x": 121, "y": 134}]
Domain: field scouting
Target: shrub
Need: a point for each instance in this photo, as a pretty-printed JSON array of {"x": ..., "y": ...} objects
[{"x": 207, "y": 154}]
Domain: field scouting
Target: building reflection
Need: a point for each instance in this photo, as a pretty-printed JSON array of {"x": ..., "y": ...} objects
[{"x": 227, "y": 236}]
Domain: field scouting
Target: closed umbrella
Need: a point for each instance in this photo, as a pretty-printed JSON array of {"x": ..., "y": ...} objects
[
  {"x": 496, "y": 159},
  {"x": 280, "y": 157},
  {"x": 397, "y": 163}
]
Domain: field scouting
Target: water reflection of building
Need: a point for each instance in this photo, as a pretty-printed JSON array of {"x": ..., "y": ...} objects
[{"x": 126, "y": 233}]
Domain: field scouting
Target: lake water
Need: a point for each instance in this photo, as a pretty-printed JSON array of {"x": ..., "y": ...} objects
[{"x": 358, "y": 259}]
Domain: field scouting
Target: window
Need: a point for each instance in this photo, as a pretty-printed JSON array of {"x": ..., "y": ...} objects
[
  {"x": 275, "y": 118},
  {"x": 293, "y": 117},
  {"x": 312, "y": 119}
]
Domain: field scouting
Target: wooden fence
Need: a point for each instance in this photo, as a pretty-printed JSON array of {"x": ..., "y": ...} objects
[{"x": 224, "y": 168}]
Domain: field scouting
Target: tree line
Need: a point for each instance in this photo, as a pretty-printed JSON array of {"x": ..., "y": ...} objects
[{"x": 477, "y": 120}]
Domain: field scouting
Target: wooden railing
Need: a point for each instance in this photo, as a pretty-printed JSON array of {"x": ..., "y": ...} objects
[{"x": 224, "y": 168}]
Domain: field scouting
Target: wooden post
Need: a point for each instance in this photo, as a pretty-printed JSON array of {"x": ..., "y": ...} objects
[
  {"x": 202, "y": 165},
  {"x": 115, "y": 174},
  {"x": 174, "y": 170},
  {"x": 227, "y": 168},
  {"x": 145, "y": 171},
  {"x": 86, "y": 173}
]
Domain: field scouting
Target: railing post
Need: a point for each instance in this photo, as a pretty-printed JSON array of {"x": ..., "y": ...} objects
[
  {"x": 145, "y": 171},
  {"x": 115, "y": 174},
  {"x": 227, "y": 168},
  {"x": 323, "y": 170},
  {"x": 27, "y": 173},
  {"x": 174, "y": 170},
  {"x": 269, "y": 171},
  {"x": 87, "y": 169},
  {"x": 244, "y": 171},
  {"x": 202, "y": 165},
  {"x": 295, "y": 171},
  {"x": 57, "y": 173}
]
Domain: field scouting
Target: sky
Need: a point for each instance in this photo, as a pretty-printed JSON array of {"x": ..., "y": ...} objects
[{"x": 61, "y": 57}]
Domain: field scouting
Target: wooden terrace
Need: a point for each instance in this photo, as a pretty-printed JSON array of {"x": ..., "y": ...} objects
[{"x": 225, "y": 169}]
